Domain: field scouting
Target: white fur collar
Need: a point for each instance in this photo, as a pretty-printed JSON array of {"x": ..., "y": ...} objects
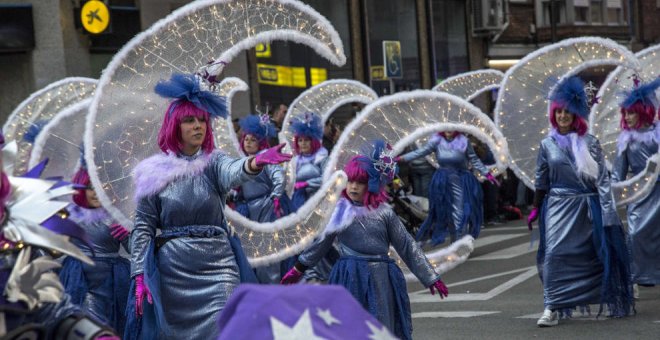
[
  {"x": 345, "y": 212},
  {"x": 584, "y": 161},
  {"x": 645, "y": 136},
  {"x": 459, "y": 143}
]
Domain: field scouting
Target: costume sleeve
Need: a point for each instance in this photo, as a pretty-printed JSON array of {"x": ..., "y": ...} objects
[
  {"x": 620, "y": 168},
  {"x": 475, "y": 161},
  {"x": 409, "y": 251},
  {"x": 276, "y": 175},
  {"x": 317, "y": 250},
  {"x": 610, "y": 217},
  {"x": 315, "y": 183},
  {"x": 421, "y": 152},
  {"x": 542, "y": 181},
  {"x": 228, "y": 172},
  {"x": 147, "y": 220}
]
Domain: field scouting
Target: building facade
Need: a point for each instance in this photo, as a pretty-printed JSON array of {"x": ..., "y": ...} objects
[{"x": 416, "y": 42}]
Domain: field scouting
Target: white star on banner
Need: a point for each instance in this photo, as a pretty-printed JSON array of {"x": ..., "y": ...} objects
[
  {"x": 302, "y": 330},
  {"x": 327, "y": 316},
  {"x": 380, "y": 334}
]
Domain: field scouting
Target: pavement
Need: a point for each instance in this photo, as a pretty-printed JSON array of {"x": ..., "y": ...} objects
[{"x": 497, "y": 294}]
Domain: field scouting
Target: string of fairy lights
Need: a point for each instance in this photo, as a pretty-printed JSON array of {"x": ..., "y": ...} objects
[{"x": 40, "y": 108}]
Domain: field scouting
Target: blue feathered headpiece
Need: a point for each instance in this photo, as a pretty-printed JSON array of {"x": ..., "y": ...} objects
[
  {"x": 187, "y": 87},
  {"x": 33, "y": 131},
  {"x": 378, "y": 162},
  {"x": 307, "y": 125},
  {"x": 83, "y": 162},
  {"x": 571, "y": 96},
  {"x": 258, "y": 126},
  {"x": 644, "y": 94}
]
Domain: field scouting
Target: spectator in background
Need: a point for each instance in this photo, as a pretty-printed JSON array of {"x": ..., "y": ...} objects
[
  {"x": 277, "y": 114},
  {"x": 331, "y": 133},
  {"x": 420, "y": 172},
  {"x": 490, "y": 190}
]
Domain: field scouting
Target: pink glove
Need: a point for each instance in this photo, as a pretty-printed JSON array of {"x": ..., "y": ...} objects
[
  {"x": 533, "y": 216},
  {"x": 119, "y": 232},
  {"x": 277, "y": 207},
  {"x": 440, "y": 287},
  {"x": 300, "y": 185},
  {"x": 291, "y": 277},
  {"x": 492, "y": 179},
  {"x": 140, "y": 291},
  {"x": 272, "y": 155}
]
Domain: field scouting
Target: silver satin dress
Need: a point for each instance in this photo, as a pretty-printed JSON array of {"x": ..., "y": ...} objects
[
  {"x": 258, "y": 195},
  {"x": 370, "y": 236},
  {"x": 452, "y": 160},
  {"x": 310, "y": 169},
  {"x": 197, "y": 273},
  {"x": 643, "y": 215},
  {"x": 570, "y": 269},
  {"x": 96, "y": 223}
]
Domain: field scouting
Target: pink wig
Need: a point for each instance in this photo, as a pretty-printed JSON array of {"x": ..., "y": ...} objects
[
  {"x": 169, "y": 136},
  {"x": 646, "y": 114},
  {"x": 316, "y": 144},
  {"x": 356, "y": 173},
  {"x": 81, "y": 177},
  {"x": 263, "y": 143},
  {"x": 5, "y": 190},
  {"x": 579, "y": 124}
]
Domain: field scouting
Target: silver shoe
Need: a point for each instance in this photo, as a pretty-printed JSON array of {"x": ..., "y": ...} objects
[{"x": 548, "y": 319}]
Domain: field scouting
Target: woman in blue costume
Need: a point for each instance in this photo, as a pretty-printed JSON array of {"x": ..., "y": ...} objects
[
  {"x": 365, "y": 227},
  {"x": 262, "y": 199},
  {"x": 638, "y": 142},
  {"x": 310, "y": 157},
  {"x": 102, "y": 288},
  {"x": 582, "y": 256},
  {"x": 187, "y": 272},
  {"x": 455, "y": 195}
]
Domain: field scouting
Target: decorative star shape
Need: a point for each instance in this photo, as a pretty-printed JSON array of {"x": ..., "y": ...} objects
[
  {"x": 379, "y": 334},
  {"x": 302, "y": 330},
  {"x": 327, "y": 316}
]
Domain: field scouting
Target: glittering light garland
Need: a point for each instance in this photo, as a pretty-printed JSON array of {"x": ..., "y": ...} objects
[
  {"x": 126, "y": 114},
  {"x": 60, "y": 141},
  {"x": 522, "y": 105},
  {"x": 42, "y": 105},
  {"x": 469, "y": 85},
  {"x": 323, "y": 99},
  {"x": 223, "y": 128}
]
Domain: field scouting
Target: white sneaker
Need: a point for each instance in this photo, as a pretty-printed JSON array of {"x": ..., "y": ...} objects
[
  {"x": 548, "y": 319},
  {"x": 636, "y": 291}
]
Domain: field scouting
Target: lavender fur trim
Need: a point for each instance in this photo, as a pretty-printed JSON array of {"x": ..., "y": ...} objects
[
  {"x": 647, "y": 137},
  {"x": 459, "y": 143},
  {"x": 584, "y": 161},
  {"x": 80, "y": 214},
  {"x": 344, "y": 214},
  {"x": 318, "y": 157},
  {"x": 153, "y": 174}
]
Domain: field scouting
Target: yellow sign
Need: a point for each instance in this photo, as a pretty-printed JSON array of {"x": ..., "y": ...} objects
[
  {"x": 377, "y": 72},
  {"x": 262, "y": 50},
  {"x": 281, "y": 75},
  {"x": 95, "y": 16},
  {"x": 317, "y": 75}
]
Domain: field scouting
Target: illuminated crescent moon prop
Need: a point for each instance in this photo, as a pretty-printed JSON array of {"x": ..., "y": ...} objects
[
  {"x": 522, "y": 105},
  {"x": 223, "y": 129},
  {"x": 322, "y": 99},
  {"x": 469, "y": 85},
  {"x": 42, "y": 105},
  {"x": 401, "y": 118},
  {"x": 125, "y": 114},
  {"x": 60, "y": 141},
  {"x": 605, "y": 118}
]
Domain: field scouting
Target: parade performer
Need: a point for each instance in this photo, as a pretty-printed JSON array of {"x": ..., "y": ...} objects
[
  {"x": 582, "y": 256},
  {"x": 102, "y": 288},
  {"x": 33, "y": 304},
  {"x": 455, "y": 195},
  {"x": 636, "y": 144},
  {"x": 183, "y": 277},
  {"x": 262, "y": 198},
  {"x": 310, "y": 157},
  {"x": 365, "y": 226}
]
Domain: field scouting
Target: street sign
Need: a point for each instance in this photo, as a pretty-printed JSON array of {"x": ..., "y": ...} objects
[
  {"x": 377, "y": 72},
  {"x": 95, "y": 16},
  {"x": 263, "y": 50},
  {"x": 281, "y": 75},
  {"x": 392, "y": 59}
]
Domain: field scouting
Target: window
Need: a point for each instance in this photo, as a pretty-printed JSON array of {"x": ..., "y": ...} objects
[
  {"x": 615, "y": 12},
  {"x": 560, "y": 12},
  {"x": 598, "y": 12},
  {"x": 449, "y": 49}
]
